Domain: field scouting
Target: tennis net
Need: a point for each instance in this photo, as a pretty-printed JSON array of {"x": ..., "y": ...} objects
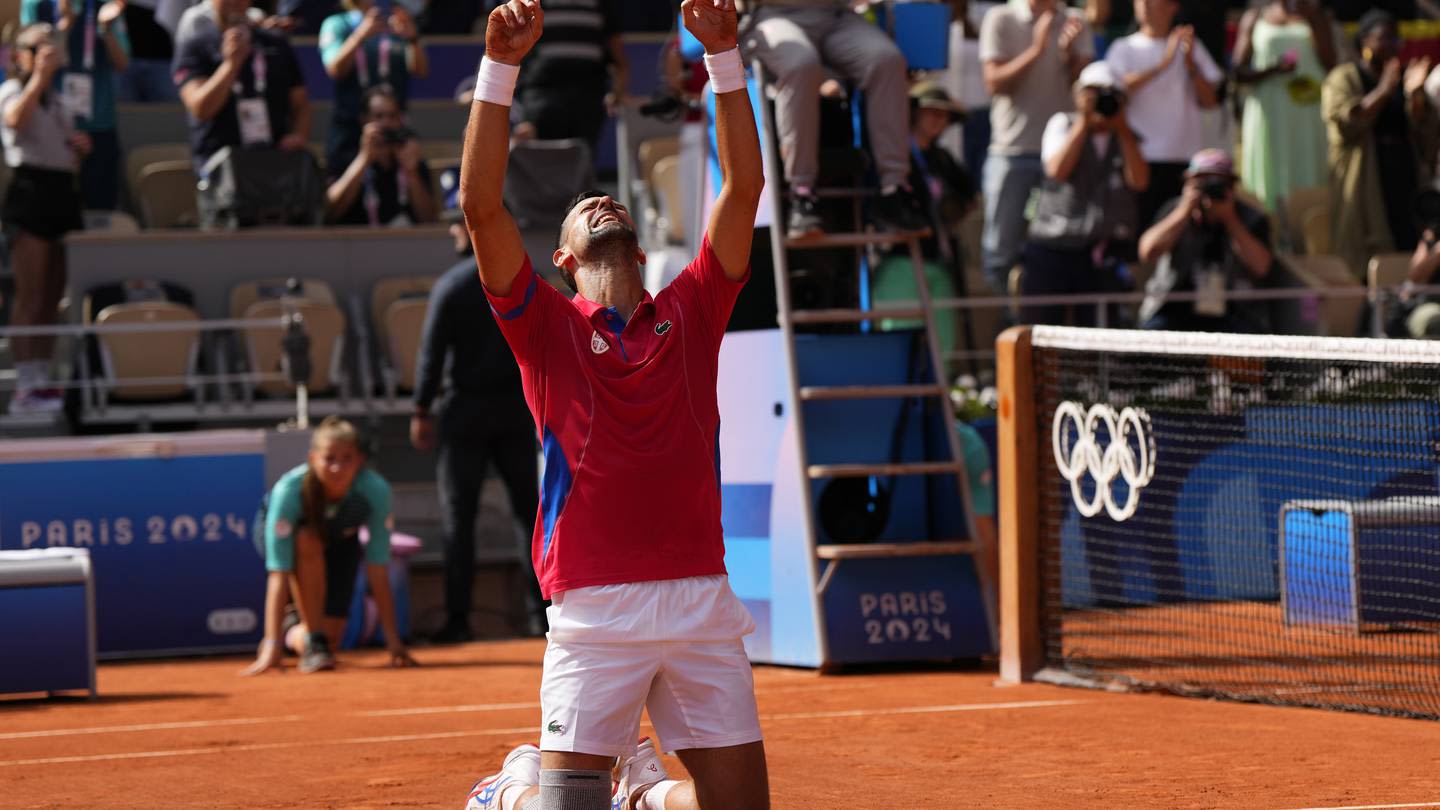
[{"x": 1252, "y": 517}]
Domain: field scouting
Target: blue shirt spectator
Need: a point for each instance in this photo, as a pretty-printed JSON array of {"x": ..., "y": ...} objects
[
  {"x": 97, "y": 48},
  {"x": 371, "y": 44},
  {"x": 241, "y": 85}
]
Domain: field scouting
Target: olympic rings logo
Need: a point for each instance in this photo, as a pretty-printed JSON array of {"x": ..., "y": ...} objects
[{"x": 1129, "y": 455}]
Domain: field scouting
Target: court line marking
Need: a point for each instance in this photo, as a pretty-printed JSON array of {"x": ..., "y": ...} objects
[
  {"x": 66, "y": 732},
  {"x": 526, "y": 730},
  {"x": 1374, "y": 806},
  {"x": 474, "y": 707}
]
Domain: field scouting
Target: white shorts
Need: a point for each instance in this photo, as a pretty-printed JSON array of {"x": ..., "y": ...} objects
[{"x": 610, "y": 657}]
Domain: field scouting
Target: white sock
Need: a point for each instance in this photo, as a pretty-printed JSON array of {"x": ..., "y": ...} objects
[
  {"x": 511, "y": 794},
  {"x": 654, "y": 798}
]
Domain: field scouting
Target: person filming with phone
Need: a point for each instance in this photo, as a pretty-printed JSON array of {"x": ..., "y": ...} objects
[
  {"x": 386, "y": 183},
  {"x": 1208, "y": 243}
]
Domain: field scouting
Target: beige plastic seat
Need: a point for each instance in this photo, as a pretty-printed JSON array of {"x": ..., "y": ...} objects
[
  {"x": 141, "y": 355},
  {"x": 653, "y": 150},
  {"x": 98, "y": 221},
  {"x": 448, "y": 151},
  {"x": 1298, "y": 206},
  {"x": 1316, "y": 230},
  {"x": 1386, "y": 272},
  {"x": 665, "y": 185},
  {"x": 404, "y": 323},
  {"x": 1339, "y": 317},
  {"x": 138, "y": 157},
  {"x": 324, "y": 323},
  {"x": 167, "y": 195},
  {"x": 389, "y": 290},
  {"x": 242, "y": 296}
]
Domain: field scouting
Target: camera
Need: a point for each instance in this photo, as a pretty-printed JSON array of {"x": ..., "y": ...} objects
[
  {"x": 1107, "y": 102},
  {"x": 398, "y": 136},
  {"x": 1216, "y": 188}
]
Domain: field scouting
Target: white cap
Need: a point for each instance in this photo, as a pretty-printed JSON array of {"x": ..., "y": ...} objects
[{"x": 1099, "y": 74}]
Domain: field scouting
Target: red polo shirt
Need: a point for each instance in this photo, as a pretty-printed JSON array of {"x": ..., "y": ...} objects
[{"x": 629, "y": 424}]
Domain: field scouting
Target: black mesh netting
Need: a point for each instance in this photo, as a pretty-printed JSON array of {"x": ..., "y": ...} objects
[{"x": 1262, "y": 529}]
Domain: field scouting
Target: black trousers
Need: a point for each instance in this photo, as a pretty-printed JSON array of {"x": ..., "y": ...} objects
[{"x": 470, "y": 439}]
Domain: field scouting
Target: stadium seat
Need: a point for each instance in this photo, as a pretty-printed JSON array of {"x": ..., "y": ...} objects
[
  {"x": 1386, "y": 272},
  {"x": 325, "y": 325},
  {"x": 167, "y": 195},
  {"x": 1297, "y": 207},
  {"x": 138, "y": 157},
  {"x": 404, "y": 323},
  {"x": 141, "y": 355},
  {"x": 110, "y": 222},
  {"x": 389, "y": 290},
  {"x": 448, "y": 151},
  {"x": 242, "y": 296},
  {"x": 665, "y": 186},
  {"x": 1317, "y": 233},
  {"x": 1338, "y": 317},
  {"x": 654, "y": 150}
]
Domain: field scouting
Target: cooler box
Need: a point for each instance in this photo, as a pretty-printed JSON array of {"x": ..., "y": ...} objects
[
  {"x": 47, "y": 643},
  {"x": 1360, "y": 564}
]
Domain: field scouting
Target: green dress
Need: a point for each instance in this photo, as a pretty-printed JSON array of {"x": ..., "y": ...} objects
[{"x": 1283, "y": 134}]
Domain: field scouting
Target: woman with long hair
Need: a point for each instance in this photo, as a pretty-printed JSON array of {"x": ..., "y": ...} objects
[
  {"x": 42, "y": 204},
  {"x": 312, "y": 547},
  {"x": 1282, "y": 53}
]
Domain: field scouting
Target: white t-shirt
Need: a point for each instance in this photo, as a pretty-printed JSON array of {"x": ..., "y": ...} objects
[
  {"x": 1057, "y": 131},
  {"x": 1165, "y": 112}
]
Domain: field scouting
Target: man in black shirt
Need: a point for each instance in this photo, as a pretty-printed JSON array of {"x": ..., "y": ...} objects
[
  {"x": 386, "y": 183},
  {"x": 482, "y": 418},
  {"x": 147, "y": 78},
  {"x": 241, "y": 85},
  {"x": 562, "y": 88},
  {"x": 1206, "y": 242}
]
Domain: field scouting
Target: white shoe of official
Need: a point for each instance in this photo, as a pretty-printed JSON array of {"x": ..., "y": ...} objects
[
  {"x": 522, "y": 767},
  {"x": 645, "y": 768}
]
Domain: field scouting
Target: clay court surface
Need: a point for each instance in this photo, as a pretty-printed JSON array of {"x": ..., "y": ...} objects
[{"x": 189, "y": 733}]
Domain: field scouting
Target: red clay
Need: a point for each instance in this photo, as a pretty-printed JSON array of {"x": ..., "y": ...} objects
[{"x": 853, "y": 741}]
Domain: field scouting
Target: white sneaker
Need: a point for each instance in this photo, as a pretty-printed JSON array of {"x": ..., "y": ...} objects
[
  {"x": 645, "y": 768},
  {"x": 36, "y": 402},
  {"x": 522, "y": 767}
]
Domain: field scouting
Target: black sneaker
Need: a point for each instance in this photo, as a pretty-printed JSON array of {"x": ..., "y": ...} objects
[
  {"x": 899, "y": 211},
  {"x": 317, "y": 654},
  {"x": 804, "y": 220},
  {"x": 452, "y": 634}
]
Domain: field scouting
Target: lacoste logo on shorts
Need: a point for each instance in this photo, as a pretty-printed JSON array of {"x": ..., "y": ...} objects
[
  {"x": 598, "y": 344},
  {"x": 555, "y": 727},
  {"x": 662, "y": 328}
]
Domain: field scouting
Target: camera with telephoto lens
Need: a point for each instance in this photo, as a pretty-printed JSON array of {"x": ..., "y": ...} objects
[
  {"x": 398, "y": 136},
  {"x": 1216, "y": 188},
  {"x": 1107, "y": 102}
]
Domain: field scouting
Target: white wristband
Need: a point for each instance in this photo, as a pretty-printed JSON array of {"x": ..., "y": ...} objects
[
  {"x": 727, "y": 73},
  {"x": 496, "y": 82}
]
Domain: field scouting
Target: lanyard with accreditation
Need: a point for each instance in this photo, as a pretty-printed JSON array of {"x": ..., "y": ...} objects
[{"x": 252, "y": 113}]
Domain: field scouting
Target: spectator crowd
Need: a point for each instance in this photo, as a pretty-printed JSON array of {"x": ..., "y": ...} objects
[{"x": 1106, "y": 145}]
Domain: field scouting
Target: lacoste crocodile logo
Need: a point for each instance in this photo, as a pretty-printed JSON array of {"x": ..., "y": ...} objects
[
  {"x": 662, "y": 328},
  {"x": 555, "y": 727}
]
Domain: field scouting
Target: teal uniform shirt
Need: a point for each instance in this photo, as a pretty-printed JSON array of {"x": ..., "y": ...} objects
[
  {"x": 366, "y": 504},
  {"x": 101, "y": 72}
]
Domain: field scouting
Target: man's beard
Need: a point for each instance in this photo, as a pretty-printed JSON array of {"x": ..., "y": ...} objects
[{"x": 613, "y": 244}]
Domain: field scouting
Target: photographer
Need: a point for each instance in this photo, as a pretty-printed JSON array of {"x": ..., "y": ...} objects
[
  {"x": 373, "y": 43},
  {"x": 240, "y": 84},
  {"x": 1085, "y": 219},
  {"x": 1206, "y": 242},
  {"x": 386, "y": 183}
]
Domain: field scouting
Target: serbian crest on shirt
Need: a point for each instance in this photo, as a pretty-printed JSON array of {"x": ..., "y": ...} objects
[{"x": 598, "y": 344}]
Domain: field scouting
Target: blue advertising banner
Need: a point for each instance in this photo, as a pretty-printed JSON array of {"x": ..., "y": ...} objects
[{"x": 169, "y": 537}]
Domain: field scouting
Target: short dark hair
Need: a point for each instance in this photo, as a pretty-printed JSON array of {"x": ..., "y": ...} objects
[{"x": 382, "y": 90}]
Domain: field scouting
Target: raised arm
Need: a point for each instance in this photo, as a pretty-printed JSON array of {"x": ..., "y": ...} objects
[
  {"x": 510, "y": 33},
  {"x": 732, "y": 221}
]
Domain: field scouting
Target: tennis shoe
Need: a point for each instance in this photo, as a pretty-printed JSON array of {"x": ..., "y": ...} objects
[
  {"x": 641, "y": 770},
  {"x": 317, "y": 655},
  {"x": 522, "y": 767}
]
